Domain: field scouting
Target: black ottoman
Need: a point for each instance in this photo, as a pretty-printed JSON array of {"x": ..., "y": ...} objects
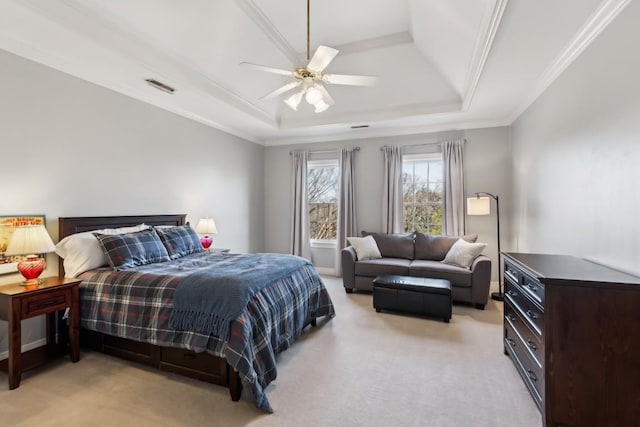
[{"x": 416, "y": 295}]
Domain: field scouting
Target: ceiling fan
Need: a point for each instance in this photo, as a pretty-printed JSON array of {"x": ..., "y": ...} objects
[{"x": 312, "y": 78}]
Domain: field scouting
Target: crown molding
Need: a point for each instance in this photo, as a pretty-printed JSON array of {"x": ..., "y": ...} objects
[
  {"x": 597, "y": 22},
  {"x": 387, "y": 131},
  {"x": 269, "y": 30},
  {"x": 491, "y": 23}
]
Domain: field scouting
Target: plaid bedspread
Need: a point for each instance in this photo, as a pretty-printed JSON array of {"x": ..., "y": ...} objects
[{"x": 136, "y": 304}]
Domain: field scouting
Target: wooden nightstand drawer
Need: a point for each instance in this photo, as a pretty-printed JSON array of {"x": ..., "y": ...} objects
[{"x": 43, "y": 303}]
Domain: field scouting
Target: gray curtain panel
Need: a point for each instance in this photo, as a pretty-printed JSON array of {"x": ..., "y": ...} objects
[
  {"x": 347, "y": 226},
  {"x": 454, "y": 218},
  {"x": 392, "y": 197},
  {"x": 300, "y": 237}
]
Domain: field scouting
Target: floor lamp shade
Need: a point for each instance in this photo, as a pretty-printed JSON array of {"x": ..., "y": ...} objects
[
  {"x": 30, "y": 240},
  {"x": 479, "y": 206},
  {"x": 206, "y": 226}
]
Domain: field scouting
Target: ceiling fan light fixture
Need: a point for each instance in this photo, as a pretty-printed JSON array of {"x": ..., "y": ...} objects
[
  {"x": 321, "y": 106},
  {"x": 313, "y": 95},
  {"x": 294, "y": 100}
]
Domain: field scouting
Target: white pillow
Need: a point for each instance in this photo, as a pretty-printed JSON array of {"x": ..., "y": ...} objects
[
  {"x": 365, "y": 247},
  {"x": 462, "y": 253},
  {"x": 82, "y": 251}
]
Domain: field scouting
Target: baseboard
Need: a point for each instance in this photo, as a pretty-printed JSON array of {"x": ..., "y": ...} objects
[
  {"x": 326, "y": 271},
  {"x": 26, "y": 347}
]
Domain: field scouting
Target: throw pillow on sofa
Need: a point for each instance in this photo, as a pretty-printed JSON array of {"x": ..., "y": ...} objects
[
  {"x": 393, "y": 245},
  {"x": 435, "y": 248},
  {"x": 462, "y": 253},
  {"x": 365, "y": 247}
]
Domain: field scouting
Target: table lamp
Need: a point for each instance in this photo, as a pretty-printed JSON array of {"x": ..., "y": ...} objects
[
  {"x": 31, "y": 241},
  {"x": 205, "y": 227}
]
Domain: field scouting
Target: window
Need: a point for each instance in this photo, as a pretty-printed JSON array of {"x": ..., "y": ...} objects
[
  {"x": 322, "y": 185},
  {"x": 422, "y": 179}
]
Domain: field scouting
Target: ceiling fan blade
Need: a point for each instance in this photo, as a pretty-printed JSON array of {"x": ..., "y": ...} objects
[
  {"x": 343, "y": 79},
  {"x": 325, "y": 95},
  {"x": 267, "y": 69},
  {"x": 282, "y": 90},
  {"x": 323, "y": 56}
]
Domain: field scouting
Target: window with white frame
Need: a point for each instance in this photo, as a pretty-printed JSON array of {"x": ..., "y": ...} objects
[
  {"x": 323, "y": 189},
  {"x": 422, "y": 184}
]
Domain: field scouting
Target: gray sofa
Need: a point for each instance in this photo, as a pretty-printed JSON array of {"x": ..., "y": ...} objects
[{"x": 420, "y": 255}]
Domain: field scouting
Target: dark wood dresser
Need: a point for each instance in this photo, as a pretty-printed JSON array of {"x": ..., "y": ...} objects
[{"x": 572, "y": 330}]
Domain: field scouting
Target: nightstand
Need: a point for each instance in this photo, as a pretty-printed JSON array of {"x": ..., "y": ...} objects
[{"x": 19, "y": 302}]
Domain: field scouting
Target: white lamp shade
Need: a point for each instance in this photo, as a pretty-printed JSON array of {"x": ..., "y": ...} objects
[
  {"x": 478, "y": 206},
  {"x": 30, "y": 240},
  {"x": 294, "y": 100},
  {"x": 313, "y": 95},
  {"x": 206, "y": 226}
]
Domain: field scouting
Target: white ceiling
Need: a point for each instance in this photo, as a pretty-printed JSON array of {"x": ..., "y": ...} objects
[{"x": 441, "y": 64}]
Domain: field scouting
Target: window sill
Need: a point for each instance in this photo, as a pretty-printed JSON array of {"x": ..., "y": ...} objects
[{"x": 324, "y": 244}]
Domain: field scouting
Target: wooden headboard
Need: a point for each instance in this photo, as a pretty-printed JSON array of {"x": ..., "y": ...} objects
[{"x": 72, "y": 225}]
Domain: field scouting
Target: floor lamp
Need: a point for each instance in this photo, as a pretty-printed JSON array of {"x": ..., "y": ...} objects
[{"x": 481, "y": 205}]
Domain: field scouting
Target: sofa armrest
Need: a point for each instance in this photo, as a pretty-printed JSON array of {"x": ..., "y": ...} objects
[
  {"x": 481, "y": 280},
  {"x": 348, "y": 267}
]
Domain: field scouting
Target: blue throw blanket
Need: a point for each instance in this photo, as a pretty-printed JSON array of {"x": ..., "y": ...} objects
[{"x": 208, "y": 301}]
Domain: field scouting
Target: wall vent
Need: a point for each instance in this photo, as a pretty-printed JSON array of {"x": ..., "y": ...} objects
[{"x": 160, "y": 86}]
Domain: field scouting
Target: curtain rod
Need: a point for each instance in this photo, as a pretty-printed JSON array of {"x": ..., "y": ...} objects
[
  {"x": 325, "y": 151},
  {"x": 419, "y": 145}
]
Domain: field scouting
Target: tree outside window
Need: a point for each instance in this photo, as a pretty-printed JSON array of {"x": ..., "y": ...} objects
[
  {"x": 422, "y": 183},
  {"x": 322, "y": 186}
]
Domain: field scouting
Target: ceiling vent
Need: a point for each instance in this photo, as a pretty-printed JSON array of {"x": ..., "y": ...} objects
[
  {"x": 359, "y": 126},
  {"x": 160, "y": 86}
]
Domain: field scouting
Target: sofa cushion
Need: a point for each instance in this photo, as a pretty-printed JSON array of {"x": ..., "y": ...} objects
[
  {"x": 462, "y": 253},
  {"x": 397, "y": 245},
  {"x": 377, "y": 267},
  {"x": 435, "y": 248},
  {"x": 365, "y": 247},
  {"x": 458, "y": 276}
]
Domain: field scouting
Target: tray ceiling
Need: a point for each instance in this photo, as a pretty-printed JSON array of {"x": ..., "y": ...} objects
[{"x": 441, "y": 64}]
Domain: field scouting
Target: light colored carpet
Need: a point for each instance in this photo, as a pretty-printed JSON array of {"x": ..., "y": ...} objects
[{"x": 360, "y": 368}]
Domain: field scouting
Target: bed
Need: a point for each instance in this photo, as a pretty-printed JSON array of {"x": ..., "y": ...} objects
[{"x": 139, "y": 313}]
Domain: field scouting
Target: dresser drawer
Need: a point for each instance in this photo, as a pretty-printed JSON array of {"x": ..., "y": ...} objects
[
  {"x": 528, "y": 369},
  {"x": 46, "y": 302},
  {"x": 511, "y": 272},
  {"x": 528, "y": 310},
  {"x": 530, "y": 340},
  {"x": 533, "y": 288}
]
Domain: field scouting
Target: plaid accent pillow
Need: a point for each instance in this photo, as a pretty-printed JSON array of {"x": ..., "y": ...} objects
[
  {"x": 133, "y": 249},
  {"x": 180, "y": 240}
]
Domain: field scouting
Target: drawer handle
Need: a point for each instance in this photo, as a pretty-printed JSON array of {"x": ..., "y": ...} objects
[
  {"x": 511, "y": 317},
  {"x": 532, "y": 288},
  {"x": 511, "y": 342},
  {"x": 512, "y": 293},
  {"x": 532, "y": 315},
  {"x": 531, "y": 345},
  {"x": 531, "y": 375}
]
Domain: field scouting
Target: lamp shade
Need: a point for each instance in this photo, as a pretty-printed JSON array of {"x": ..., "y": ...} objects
[
  {"x": 29, "y": 240},
  {"x": 478, "y": 205},
  {"x": 206, "y": 226}
]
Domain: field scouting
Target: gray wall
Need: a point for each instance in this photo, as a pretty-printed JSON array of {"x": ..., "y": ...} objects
[
  {"x": 486, "y": 169},
  {"x": 576, "y": 153},
  {"x": 71, "y": 148}
]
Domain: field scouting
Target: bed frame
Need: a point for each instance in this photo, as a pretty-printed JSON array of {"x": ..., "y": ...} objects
[{"x": 201, "y": 366}]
